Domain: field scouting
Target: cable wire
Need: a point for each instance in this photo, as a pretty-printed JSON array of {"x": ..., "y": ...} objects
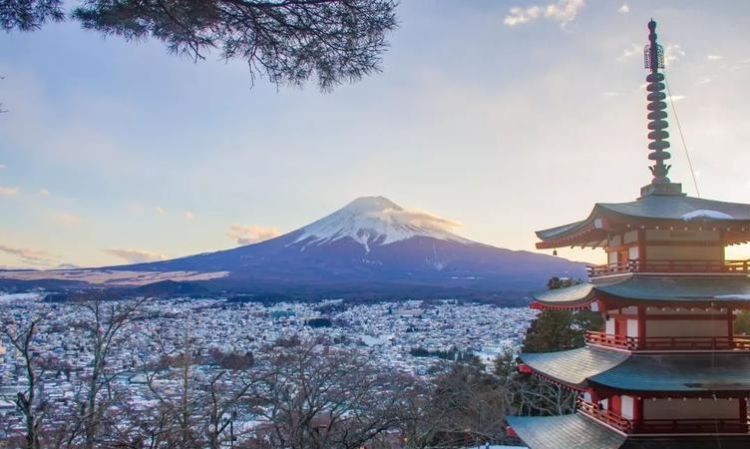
[{"x": 682, "y": 136}]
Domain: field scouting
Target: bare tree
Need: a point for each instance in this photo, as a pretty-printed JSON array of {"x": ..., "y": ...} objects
[
  {"x": 103, "y": 325},
  {"x": 289, "y": 41},
  {"x": 536, "y": 396},
  {"x": 465, "y": 406},
  {"x": 532, "y": 395},
  {"x": 31, "y": 406},
  {"x": 317, "y": 398},
  {"x": 224, "y": 400},
  {"x": 198, "y": 395}
]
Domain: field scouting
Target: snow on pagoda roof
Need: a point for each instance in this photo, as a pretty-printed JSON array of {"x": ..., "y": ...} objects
[
  {"x": 641, "y": 372},
  {"x": 580, "y": 432},
  {"x": 676, "y": 208},
  {"x": 663, "y": 289}
]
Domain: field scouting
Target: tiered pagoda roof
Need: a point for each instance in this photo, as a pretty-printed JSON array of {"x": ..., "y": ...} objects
[
  {"x": 708, "y": 372},
  {"x": 659, "y": 289},
  {"x": 675, "y": 211}
]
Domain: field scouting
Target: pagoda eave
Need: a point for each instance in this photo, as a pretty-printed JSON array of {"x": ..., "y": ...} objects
[
  {"x": 652, "y": 290},
  {"x": 672, "y": 374},
  {"x": 574, "y": 367},
  {"x": 566, "y": 431},
  {"x": 660, "y": 212},
  {"x": 582, "y": 432}
]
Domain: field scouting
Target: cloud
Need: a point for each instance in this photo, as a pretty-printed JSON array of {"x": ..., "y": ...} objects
[
  {"x": 245, "y": 235},
  {"x": 677, "y": 97},
  {"x": 419, "y": 219},
  {"x": 611, "y": 94},
  {"x": 160, "y": 211},
  {"x": 8, "y": 191},
  {"x": 631, "y": 51},
  {"x": 43, "y": 192},
  {"x": 673, "y": 53},
  {"x": 562, "y": 11},
  {"x": 136, "y": 255},
  {"x": 189, "y": 215},
  {"x": 30, "y": 256},
  {"x": 66, "y": 218},
  {"x": 624, "y": 9},
  {"x": 67, "y": 266},
  {"x": 2, "y": 166},
  {"x": 714, "y": 57}
]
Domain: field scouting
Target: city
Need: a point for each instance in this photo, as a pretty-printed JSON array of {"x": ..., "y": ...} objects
[{"x": 408, "y": 337}]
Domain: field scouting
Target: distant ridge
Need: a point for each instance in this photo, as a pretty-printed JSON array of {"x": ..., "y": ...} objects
[{"x": 370, "y": 248}]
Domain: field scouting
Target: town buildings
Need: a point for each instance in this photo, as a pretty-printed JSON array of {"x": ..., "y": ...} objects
[{"x": 387, "y": 333}]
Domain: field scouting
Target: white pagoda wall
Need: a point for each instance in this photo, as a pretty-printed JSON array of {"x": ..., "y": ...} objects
[
  {"x": 690, "y": 409},
  {"x": 627, "y": 407},
  {"x": 664, "y": 235},
  {"x": 715, "y": 324},
  {"x": 700, "y": 253},
  {"x": 686, "y": 328}
]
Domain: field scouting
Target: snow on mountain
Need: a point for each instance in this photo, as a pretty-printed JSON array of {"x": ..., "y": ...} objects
[{"x": 376, "y": 220}]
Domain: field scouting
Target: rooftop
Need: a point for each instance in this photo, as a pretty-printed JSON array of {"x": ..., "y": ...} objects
[
  {"x": 579, "y": 432},
  {"x": 660, "y": 290},
  {"x": 646, "y": 373},
  {"x": 652, "y": 210}
]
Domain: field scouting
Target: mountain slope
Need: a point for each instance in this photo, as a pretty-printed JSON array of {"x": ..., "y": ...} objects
[{"x": 375, "y": 245}]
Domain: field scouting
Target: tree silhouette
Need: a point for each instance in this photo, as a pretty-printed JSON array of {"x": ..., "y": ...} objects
[{"x": 287, "y": 41}]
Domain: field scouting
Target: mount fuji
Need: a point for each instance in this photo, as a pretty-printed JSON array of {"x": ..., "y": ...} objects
[{"x": 371, "y": 248}]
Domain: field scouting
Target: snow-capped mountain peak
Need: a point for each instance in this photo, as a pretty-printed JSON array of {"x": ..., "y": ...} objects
[{"x": 376, "y": 220}]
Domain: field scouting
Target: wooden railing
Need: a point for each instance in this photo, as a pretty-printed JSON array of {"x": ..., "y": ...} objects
[
  {"x": 615, "y": 341},
  {"x": 719, "y": 425},
  {"x": 612, "y": 419},
  {"x": 668, "y": 343},
  {"x": 606, "y": 416},
  {"x": 671, "y": 266}
]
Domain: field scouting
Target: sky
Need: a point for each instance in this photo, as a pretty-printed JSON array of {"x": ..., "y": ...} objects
[{"x": 504, "y": 116}]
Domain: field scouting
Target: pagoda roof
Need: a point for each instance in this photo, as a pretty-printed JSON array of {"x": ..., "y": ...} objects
[
  {"x": 663, "y": 208},
  {"x": 640, "y": 372},
  {"x": 579, "y": 295},
  {"x": 565, "y": 431},
  {"x": 679, "y": 290},
  {"x": 576, "y": 366},
  {"x": 580, "y": 432},
  {"x": 702, "y": 372}
]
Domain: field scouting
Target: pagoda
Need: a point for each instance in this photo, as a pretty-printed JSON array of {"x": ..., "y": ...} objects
[{"x": 667, "y": 369}]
